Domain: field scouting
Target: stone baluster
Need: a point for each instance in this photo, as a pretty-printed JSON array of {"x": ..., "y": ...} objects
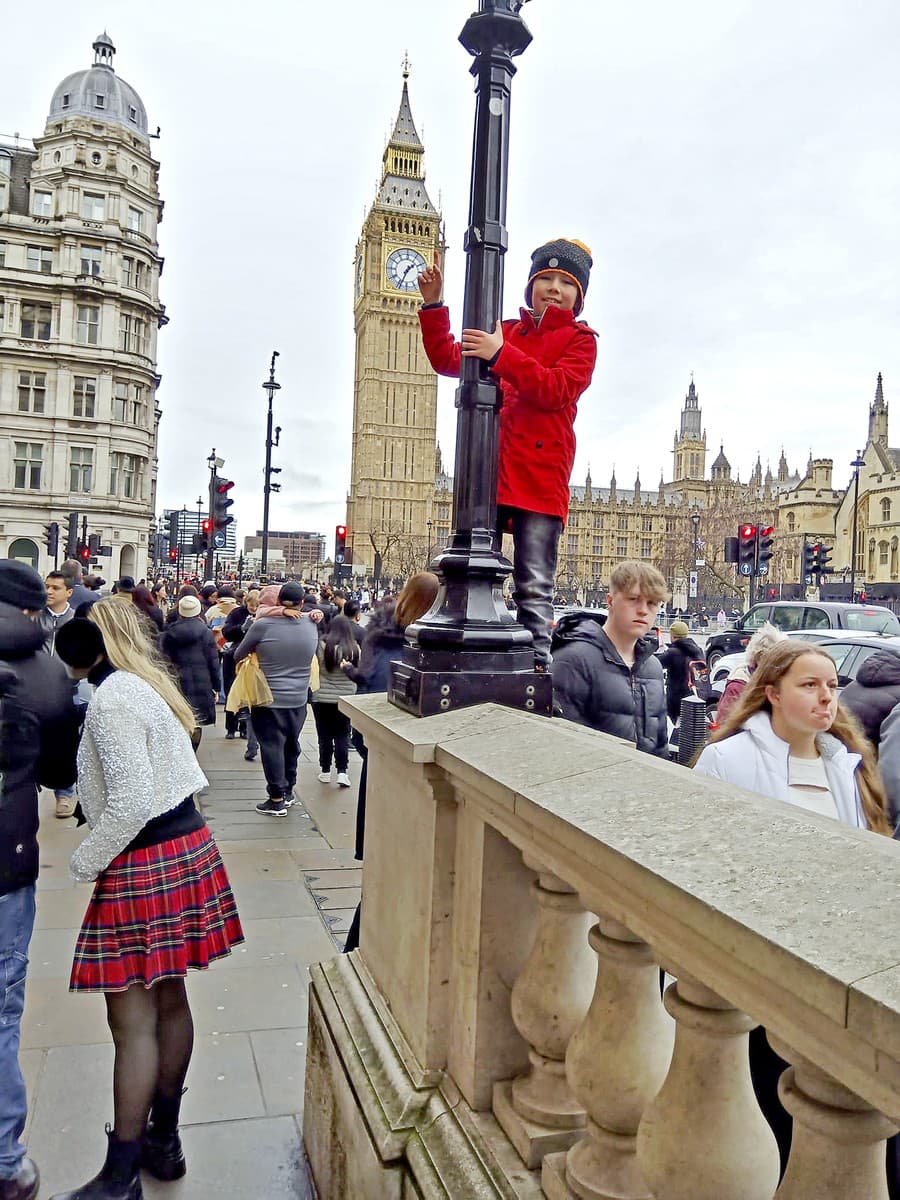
[
  {"x": 616, "y": 1063},
  {"x": 549, "y": 1001},
  {"x": 704, "y": 1137},
  {"x": 837, "y": 1149}
]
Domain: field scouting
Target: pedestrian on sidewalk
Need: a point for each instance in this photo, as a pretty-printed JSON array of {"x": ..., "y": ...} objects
[
  {"x": 38, "y": 739},
  {"x": 337, "y": 647},
  {"x": 676, "y": 661},
  {"x": 236, "y": 624},
  {"x": 191, "y": 649},
  {"x": 284, "y": 639},
  {"x": 162, "y": 903}
]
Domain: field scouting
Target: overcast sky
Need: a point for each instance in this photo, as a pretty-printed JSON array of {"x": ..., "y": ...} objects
[{"x": 733, "y": 166}]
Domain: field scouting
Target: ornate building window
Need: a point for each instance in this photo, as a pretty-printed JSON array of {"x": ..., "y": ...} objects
[
  {"x": 91, "y": 257},
  {"x": 645, "y": 547},
  {"x": 132, "y": 334},
  {"x": 135, "y": 220},
  {"x": 623, "y": 524},
  {"x": 572, "y": 543},
  {"x": 598, "y": 520},
  {"x": 35, "y": 322},
  {"x": 124, "y": 475},
  {"x": 84, "y": 394},
  {"x": 885, "y": 509},
  {"x": 598, "y": 545},
  {"x": 81, "y": 469},
  {"x": 882, "y": 554},
  {"x": 647, "y": 524},
  {"x": 622, "y": 547},
  {"x": 42, "y": 204},
  {"x": 791, "y": 522},
  {"x": 93, "y": 206},
  {"x": 39, "y": 258},
  {"x": 27, "y": 463},
  {"x": 87, "y": 324},
  {"x": 573, "y": 520},
  {"x": 32, "y": 391}
]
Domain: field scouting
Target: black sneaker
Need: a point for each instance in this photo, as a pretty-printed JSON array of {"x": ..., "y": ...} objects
[
  {"x": 162, "y": 1155},
  {"x": 272, "y": 808},
  {"x": 250, "y": 756},
  {"x": 229, "y": 736},
  {"x": 289, "y": 799}
]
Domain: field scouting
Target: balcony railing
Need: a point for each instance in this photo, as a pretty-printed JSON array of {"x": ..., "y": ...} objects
[{"x": 501, "y": 1031}]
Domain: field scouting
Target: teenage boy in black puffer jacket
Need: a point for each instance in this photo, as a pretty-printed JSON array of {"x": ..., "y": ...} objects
[{"x": 38, "y": 741}]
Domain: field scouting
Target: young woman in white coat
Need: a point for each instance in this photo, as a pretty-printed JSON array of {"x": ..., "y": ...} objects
[{"x": 788, "y": 738}]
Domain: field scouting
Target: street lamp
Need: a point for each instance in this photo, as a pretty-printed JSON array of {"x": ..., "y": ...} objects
[
  {"x": 428, "y": 525},
  {"x": 270, "y": 387},
  {"x": 469, "y": 648},
  {"x": 695, "y": 521},
  {"x": 856, "y": 464}
]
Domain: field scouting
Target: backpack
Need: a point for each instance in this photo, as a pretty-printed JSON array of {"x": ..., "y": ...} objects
[{"x": 698, "y": 679}]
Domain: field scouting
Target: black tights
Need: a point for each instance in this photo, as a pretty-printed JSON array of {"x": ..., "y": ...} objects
[{"x": 153, "y": 1033}]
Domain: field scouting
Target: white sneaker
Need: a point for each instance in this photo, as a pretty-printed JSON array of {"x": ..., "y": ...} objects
[
  {"x": 325, "y": 777},
  {"x": 343, "y": 779},
  {"x": 65, "y": 806}
]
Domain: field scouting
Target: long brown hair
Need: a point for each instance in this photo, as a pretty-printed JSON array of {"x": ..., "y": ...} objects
[
  {"x": 416, "y": 597},
  {"x": 771, "y": 668}
]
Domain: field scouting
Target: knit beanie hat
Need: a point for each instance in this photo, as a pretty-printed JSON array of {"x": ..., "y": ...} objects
[
  {"x": 567, "y": 256},
  {"x": 21, "y": 586},
  {"x": 677, "y": 630},
  {"x": 79, "y": 643},
  {"x": 189, "y": 606}
]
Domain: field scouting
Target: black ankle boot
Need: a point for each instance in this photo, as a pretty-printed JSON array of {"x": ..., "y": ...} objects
[
  {"x": 120, "y": 1178},
  {"x": 161, "y": 1152}
]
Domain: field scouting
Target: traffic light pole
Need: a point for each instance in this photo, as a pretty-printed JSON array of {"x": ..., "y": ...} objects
[
  {"x": 211, "y": 550},
  {"x": 270, "y": 387}
]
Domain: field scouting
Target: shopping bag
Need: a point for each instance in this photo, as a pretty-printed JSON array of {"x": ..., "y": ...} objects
[{"x": 250, "y": 688}]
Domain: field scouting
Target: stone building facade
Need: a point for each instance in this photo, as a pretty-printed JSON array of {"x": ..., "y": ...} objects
[
  {"x": 79, "y": 314},
  {"x": 393, "y": 461}
]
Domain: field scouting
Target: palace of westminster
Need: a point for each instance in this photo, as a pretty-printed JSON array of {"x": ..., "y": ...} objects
[{"x": 79, "y": 315}]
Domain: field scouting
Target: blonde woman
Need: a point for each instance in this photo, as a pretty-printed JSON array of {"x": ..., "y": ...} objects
[{"x": 162, "y": 902}]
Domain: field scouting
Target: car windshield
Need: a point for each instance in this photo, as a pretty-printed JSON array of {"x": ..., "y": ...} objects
[{"x": 878, "y": 620}]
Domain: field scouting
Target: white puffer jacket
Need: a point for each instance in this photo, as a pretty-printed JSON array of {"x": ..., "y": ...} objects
[
  {"x": 135, "y": 762},
  {"x": 757, "y": 759}
]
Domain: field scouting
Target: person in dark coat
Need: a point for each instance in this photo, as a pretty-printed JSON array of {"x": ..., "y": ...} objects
[
  {"x": 682, "y": 650},
  {"x": 191, "y": 648},
  {"x": 607, "y": 676},
  {"x": 143, "y": 601},
  {"x": 38, "y": 741},
  {"x": 383, "y": 641},
  {"x": 874, "y": 692}
]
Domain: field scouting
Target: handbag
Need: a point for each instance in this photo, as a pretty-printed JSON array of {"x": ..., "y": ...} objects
[{"x": 250, "y": 688}]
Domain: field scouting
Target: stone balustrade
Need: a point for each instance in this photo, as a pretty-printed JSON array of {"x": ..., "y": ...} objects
[{"x": 502, "y": 1031}]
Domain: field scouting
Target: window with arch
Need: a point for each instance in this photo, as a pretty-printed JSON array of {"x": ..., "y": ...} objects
[
  {"x": 24, "y": 550},
  {"x": 791, "y": 522},
  {"x": 885, "y": 509},
  {"x": 882, "y": 554}
]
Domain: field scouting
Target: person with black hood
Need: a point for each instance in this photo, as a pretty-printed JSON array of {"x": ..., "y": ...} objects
[
  {"x": 606, "y": 676},
  {"x": 191, "y": 649},
  {"x": 874, "y": 692},
  {"x": 682, "y": 651},
  {"x": 38, "y": 741}
]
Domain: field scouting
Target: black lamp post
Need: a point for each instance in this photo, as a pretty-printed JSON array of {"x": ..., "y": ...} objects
[
  {"x": 469, "y": 648},
  {"x": 428, "y": 525},
  {"x": 856, "y": 464},
  {"x": 270, "y": 387}
]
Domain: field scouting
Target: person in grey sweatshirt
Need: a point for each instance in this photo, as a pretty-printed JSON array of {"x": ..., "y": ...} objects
[{"x": 284, "y": 640}]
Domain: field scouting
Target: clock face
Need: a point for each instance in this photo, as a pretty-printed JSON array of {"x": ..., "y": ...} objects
[{"x": 404, "y": 268}]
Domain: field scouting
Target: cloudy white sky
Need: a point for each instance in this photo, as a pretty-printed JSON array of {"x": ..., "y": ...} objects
[{"x": 733, "y": 166}]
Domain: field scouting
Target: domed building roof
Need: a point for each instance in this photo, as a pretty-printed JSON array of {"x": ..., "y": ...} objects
[{"x": 100, "y": 93}]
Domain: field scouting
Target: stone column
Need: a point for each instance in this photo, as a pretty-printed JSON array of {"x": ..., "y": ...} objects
[
  {"x": 549, "y": 1001},
  {"x": 703, "y": 1137},
  {"x": 616, "y": 1063},
  {"x": 838, "y": 1147}
]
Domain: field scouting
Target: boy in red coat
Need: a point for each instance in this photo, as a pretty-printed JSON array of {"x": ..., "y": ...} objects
[{"x": 544, "y": 362}]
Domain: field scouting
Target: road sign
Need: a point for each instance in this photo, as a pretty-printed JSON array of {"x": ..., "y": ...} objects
[
  {"x": 692, "y": 589},
  {"x": 218, "y": 539}
]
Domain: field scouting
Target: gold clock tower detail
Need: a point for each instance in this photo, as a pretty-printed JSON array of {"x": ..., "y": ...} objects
[{"x": 392, "y": 475}]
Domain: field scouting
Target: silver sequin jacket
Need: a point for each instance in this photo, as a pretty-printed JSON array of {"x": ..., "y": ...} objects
[{"x": 135, "y": 762}]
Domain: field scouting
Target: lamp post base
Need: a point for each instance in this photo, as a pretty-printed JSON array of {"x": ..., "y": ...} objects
[{"x": 426, "y": 692}]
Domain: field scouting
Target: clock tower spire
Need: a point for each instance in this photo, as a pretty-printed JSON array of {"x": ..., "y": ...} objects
[{"x": 395, "y": 391}]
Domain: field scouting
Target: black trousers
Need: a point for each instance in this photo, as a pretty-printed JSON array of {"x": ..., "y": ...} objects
[
  {"x": 536, "y": 538},
  {"x": 333, "y": 732},
  {"x": 278, "y": 731},
  {"x": 228, "y": 674}
]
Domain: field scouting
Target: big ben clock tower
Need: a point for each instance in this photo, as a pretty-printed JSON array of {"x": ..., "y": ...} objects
[{"x": 392, "y": 475}]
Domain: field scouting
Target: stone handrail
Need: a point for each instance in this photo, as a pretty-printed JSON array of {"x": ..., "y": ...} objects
[{"x": 507, "y": 854}]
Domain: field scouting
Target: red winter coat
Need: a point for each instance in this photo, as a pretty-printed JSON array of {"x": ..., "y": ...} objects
[{"x": 543, "y": 369}]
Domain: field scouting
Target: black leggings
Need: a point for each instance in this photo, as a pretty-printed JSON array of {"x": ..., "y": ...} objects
[{"x": 333, "y": 732}]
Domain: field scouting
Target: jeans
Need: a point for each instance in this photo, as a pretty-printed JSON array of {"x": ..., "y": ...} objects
[
  {"x": 278, "y": 730},
  {"x": 333, "y": 732},
  {"x": 16, "y": 924},
  {"x": 536, "y": 538}
]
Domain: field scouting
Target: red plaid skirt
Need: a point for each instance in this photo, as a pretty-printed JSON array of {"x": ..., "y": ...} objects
[{"x": 154, "y": 913}]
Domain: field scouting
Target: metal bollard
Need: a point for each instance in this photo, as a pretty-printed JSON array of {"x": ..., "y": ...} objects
[{"x": 692, "y": 728}]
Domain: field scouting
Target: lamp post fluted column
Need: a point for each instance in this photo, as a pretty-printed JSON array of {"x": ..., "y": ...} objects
[
  {"x": 858, "y": 462},
  {"x": 469, "y": 647},
  {"x": 270, "y": 387}
]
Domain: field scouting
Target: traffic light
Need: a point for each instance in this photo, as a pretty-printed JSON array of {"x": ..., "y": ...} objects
[
  {"x": 51, "y": 532},
  {"x": 173, "y": 533},
  {"x": 823, "y": 560},
  {"x": 747, "y": 549},
  {"x": 808, "y": 566},
  {"x": 94, "y": 544},
  {"x": 72, "y": 535},
  {"x": 202, "y": 540},
  {"x": 340, "y": 544},
  {"x": 764, "y": 540},
  {"x": 83, "y": 553},
  {"x": 173, "y": 553},
  {"x": 221, "y": 502}
]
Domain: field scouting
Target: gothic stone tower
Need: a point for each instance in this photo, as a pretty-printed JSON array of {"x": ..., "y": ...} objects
[
  {"x": 690, "y": 447},
  {"x": 392, "y": 476}
]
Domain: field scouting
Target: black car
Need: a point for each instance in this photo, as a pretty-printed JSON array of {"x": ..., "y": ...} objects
[{"x": 794, "y": 615}]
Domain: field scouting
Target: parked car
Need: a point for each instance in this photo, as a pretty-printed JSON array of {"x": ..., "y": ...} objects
[
  {"x": 849, "y": 651},
  {"x": 801, "y": 615}
]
